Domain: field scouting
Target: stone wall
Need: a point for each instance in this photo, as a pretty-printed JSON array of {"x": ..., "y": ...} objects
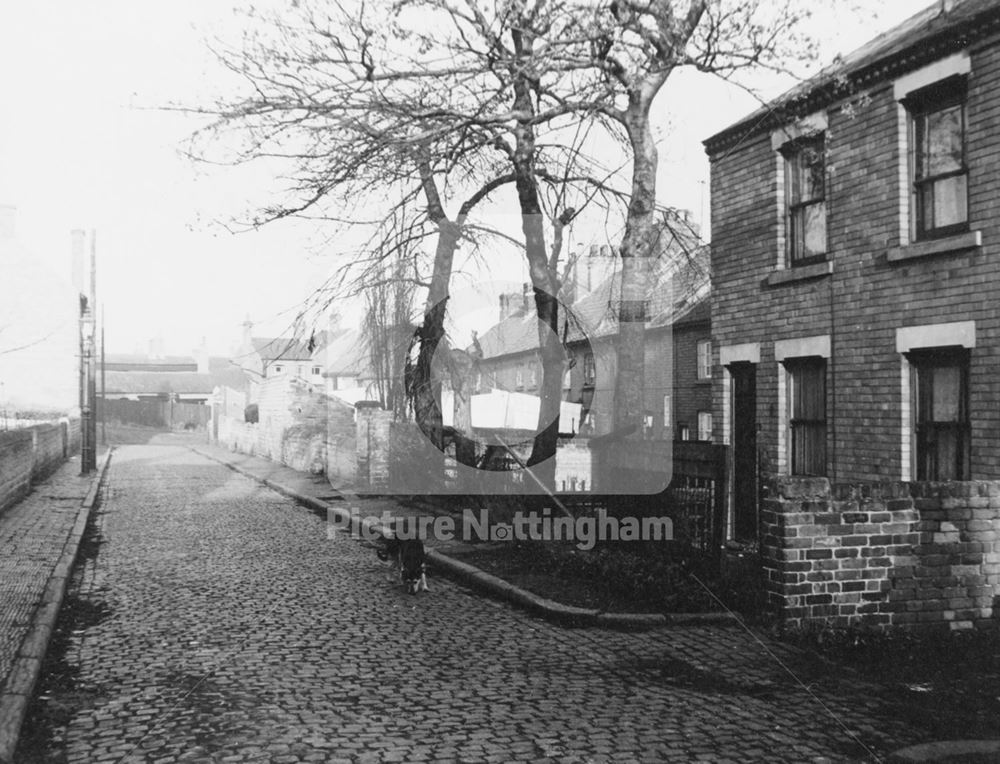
[
  {"x": 916, "y": 555},
  {"x": 31, "y": 454},
  {"x": 298, "y": 426},
  {"x": 341, "y": 443},
  {"x": 373, "y": 446}
]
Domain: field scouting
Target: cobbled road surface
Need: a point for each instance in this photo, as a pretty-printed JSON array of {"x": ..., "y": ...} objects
[{"x": 235, "y": 630}]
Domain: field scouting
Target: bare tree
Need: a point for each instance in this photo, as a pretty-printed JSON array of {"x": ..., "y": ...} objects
[
  {"x": 366, "y": 107},
  {"x": 637, "y": 45}
]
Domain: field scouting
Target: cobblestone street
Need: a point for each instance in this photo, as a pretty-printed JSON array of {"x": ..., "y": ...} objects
[{"x": 232, "y": 629}]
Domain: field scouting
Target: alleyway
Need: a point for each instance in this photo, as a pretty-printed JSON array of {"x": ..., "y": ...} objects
[{"x": 228, "y": 627}]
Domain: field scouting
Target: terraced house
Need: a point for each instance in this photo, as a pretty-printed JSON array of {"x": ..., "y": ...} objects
[{"x": 856, "y": 260}]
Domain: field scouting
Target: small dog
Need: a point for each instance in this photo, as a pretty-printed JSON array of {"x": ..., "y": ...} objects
[{"x": 409, "y": 555}]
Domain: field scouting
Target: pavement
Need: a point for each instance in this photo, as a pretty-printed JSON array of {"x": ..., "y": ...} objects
[
  {"x": 39, "y": 536},
  {"x": 215, "y": 619}
]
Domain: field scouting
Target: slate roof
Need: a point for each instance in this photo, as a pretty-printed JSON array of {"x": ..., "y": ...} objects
[
  {"x": 925, "y": 37},
  {"x": 221, "y": 373},
  {"x": 139, "y": 362},
  {"x": 595, "y": 315},
  {"x": 281, "y": 349},
  {"x": 347, "y": 355}
]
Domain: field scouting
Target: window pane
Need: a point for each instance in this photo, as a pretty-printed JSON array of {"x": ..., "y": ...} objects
[
  {"x": 808, "y": 392},
  {"x": 704, "y": 359},
  {"x": 814, "y": 230},
  {"x": 946, "y": 442},
  {"x": 808, "y": 415},
  {"x": 808, "y": 449},
  {"x": 942, "y": 419},
  {"x": 812, "y": 172},
  {"x": 946, "y": 386},
  {"x": 704, "y": 425},
  {"x": 950, "y": 207},
  {"x": 942, "y": 142}
]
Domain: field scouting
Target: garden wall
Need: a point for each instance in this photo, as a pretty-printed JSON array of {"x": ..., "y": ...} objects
[
  {"x": 31, "y": 454},
  {"x": 917, "y": 555},
  {"x": 298, "y": 426}
]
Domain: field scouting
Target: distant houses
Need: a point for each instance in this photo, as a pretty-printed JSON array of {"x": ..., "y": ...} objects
[
  {"x": 677, "y": 391},
  {"x": 154, "y": 376}
]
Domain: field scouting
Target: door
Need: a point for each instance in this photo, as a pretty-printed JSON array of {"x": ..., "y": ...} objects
[{"x": 744, "y": 451}]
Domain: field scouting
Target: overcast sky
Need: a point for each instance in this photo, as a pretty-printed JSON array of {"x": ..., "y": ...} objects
[{"x": 83, "y": 145}]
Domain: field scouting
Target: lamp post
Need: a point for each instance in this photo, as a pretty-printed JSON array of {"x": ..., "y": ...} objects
[
  {"x": 88, "y": 348},
  {"x": 88, "y": 449}
]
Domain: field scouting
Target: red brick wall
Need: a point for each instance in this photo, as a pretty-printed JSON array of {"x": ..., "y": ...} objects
[
  {"x": 917, "y": 555},
  {"x": 871, "y": 297}
]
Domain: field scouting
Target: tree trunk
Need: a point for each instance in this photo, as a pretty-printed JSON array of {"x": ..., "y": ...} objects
[
  {"x": 425, "y": 390},
  {"x": 637, "y": 259},
  {"x": 543, "y": 451}
]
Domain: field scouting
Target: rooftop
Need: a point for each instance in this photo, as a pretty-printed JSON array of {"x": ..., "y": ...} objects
[{"x": 926, "y": 36}]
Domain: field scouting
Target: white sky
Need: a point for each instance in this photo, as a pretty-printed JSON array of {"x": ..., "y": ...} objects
[{"x": 83, "y": 146}]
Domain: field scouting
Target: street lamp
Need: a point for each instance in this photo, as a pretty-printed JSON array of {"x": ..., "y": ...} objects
[{"x": 88, "y": 450}]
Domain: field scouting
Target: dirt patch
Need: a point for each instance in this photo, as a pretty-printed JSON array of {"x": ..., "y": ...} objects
[
  {"x": 59, "y": 695},
  {"x": 946, "y": 684},
  {"x": 610, "y": 578}
]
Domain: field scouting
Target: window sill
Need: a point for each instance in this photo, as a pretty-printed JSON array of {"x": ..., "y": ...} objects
[
  {"x": 957, "y": 243},
  {"x": 803, "y": 272}
]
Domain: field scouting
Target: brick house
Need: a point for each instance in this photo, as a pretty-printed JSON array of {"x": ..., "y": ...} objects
[
  {"x": 678, "y": 392},
  {"x": 855, "y": 239}
]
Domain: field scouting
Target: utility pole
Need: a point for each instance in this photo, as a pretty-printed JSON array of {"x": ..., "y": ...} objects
[
  {"x": 104, "y": 390},
  {"x": 92, "y": 367},
  {"x": 88, "y": 356}
]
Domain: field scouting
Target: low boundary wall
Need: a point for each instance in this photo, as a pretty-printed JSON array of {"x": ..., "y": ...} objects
[
  {"x": 917, "y": 555},
  {"x": 31, "y": 454}
]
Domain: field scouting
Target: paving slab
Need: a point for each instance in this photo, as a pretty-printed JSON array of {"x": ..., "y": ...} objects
[{"x": 39, "y": 537}]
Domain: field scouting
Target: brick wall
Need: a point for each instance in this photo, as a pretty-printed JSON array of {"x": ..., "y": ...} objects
[
  {"x": 867, "y": 297},
  {"x": 690, "y": 395},
  {"x": 915, "y": 555},
  {"x": 17, "y": 458},
  {"x": 373, "y": 446},
  {"x": 32, "y": 454},
  {"x": 51, "y": 447}
]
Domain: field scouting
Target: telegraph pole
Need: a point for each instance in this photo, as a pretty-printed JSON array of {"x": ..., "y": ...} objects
[
  {"x": 92, "y": 365},
  {"x": 104, "y": 390},
  {"x": 88, "y": 357}
]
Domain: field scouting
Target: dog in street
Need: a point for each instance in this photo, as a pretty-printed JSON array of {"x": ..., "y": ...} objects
[{"x": 409, "y": 556}]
